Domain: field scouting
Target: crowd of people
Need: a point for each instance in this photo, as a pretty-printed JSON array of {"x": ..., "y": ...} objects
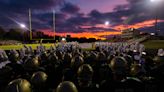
[{"x": 114, "y": 67}]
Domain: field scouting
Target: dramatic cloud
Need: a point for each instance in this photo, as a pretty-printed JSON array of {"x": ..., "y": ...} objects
[
  {"x": 25, "y": 4},
  {"x": 17, "y": 10},
  {"x": 83, "y": 17},
  {"x": 70, "y": 8}
]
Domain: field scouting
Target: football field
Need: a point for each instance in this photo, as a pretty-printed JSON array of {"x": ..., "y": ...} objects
[
  {"x": 19, "y": 46},
  {"x": 154, "y": 44},
  {"x": 150, "y": 44}
]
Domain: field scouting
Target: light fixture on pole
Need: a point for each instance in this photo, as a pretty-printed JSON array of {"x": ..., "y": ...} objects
[
  {"x": 156, "y": 15},
  {"x": 22, "y": 25},
  {"x": 106, "y": 24},
  {"x": 155, "y": 0}
]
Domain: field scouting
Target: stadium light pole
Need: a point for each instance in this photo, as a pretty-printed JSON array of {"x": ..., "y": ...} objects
[
  {"x": 23, "y": 26},
  {"x": 106, "y": 24},
  {"x": 156, "y": 15}
]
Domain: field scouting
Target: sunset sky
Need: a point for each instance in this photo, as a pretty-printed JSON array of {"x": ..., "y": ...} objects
[{"x": 83, "y": 18}]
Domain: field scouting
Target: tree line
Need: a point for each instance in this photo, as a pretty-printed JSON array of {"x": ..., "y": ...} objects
[{"x": 24, "y": 36}]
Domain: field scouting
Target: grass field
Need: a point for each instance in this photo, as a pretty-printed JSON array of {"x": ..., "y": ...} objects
[
  {"x": 9, "y": 47},
  {"x": 150, "y": 44},
  {"x": 154, "y": 44},
  {"x": 16, "y": 47}
]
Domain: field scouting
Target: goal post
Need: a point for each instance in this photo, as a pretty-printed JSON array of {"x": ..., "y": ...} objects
[{"x": 53, "y": 27}]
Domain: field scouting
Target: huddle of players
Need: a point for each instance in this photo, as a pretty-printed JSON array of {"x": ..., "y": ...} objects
[{"x": 75, "y": 70}]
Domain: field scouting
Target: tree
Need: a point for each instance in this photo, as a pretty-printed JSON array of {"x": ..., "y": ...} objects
[
  {"x": 14, "y": 34},
  {"x": 2, "y": 33}
]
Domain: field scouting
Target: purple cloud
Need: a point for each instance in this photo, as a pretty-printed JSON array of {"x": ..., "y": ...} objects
[{"x": 70, "y": 8}]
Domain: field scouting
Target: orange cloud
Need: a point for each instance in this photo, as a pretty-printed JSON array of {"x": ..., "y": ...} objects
[
  {"x": 101, "y": 35},
  {"x": 96, "y": 35},
  {"x": 147, "y": 23}
]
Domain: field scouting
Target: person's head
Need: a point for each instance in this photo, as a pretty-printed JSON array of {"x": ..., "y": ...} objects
[
  {"x": 84, "y": 75},
  {"x": 66, "y": 86},
  {"x": 85, "y": 53},
  {"x": 52, "y": 58},
  {"x": 92, "y": 58},
  {"x": 101, "y": 57},
  {"x": 136, "y": 70},
  {"x": 119, "y": 67},
  {"x": 19, "y": 85},
  {"x": 105, "y": 72},
  {"x": 44, "y": 55},
  {"x": 67, "y": 59},
  {"x": 3, "y": 56},
  {"x": 158, "y": 60},
  {"x": 39, "y": 79},
  {"x": 59, "y": 55},
  {"x": 14, "y": 56},
  {"x": 129, "y": 60},
  {"x": 31, "y": 64},
  {"x": 109, "y": 58},
  {"x": 76, "y": 62}
]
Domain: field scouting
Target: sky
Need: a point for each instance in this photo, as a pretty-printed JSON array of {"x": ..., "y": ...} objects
[{"x": 83, "y": 18}]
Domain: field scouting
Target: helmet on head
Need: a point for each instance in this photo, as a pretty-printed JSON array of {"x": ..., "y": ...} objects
[
  {"x": 77, "y": 53},
  {"x": 109, "y": 58},
  {"x": 77, "y": 61},
  {"x": 31, "y": 63},
  {"x": 19, "y": 85},
  {"x": 38, "y": 79},
  {"x": 119, "y": 65},
  {"x": 129, "y": 60},
  {"x": 44, "y": 55},
  {"x": 85, "y": 72},
  {"x": 52, "y": 58},
  {"x": 158, "y": 59},
  {"x": 14, "y": 56},
  {"x": 3, "y": 56},
  {"x": 93, "y": 55},
  {"x": 105, "y": 72},
  {"x": 60, "y": 55},
  {"x": 66, "y": 86},
  {"x": 85, "y": 53},
  {"x": 101, "y": 56},
  {"x": 135, "y": 69},
  {"x": 92, "y": 58},
  {"x": 67, "y": 59}
]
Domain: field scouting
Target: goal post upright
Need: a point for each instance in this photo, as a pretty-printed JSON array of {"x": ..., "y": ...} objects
[
  {"x": 54, "y": 23},
  {"x": 30, "y": 26}
]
